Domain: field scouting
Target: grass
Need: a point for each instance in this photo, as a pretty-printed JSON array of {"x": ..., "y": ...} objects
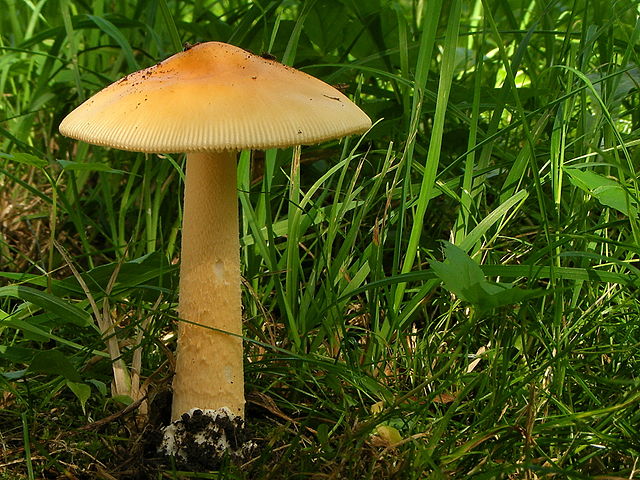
[{"x": 375, "y": 348}]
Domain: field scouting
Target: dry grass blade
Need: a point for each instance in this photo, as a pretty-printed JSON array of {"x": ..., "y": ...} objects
[{"x": 121, "y": 378}]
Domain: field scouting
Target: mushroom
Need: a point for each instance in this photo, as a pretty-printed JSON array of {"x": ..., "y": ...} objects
[{"x": 211, "y": 101}]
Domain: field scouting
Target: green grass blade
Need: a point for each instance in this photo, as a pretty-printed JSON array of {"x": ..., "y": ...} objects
[{"x": 433, "y": 155}]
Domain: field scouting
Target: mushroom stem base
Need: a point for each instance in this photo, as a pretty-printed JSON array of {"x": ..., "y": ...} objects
[{"x": 201, "y": 439}]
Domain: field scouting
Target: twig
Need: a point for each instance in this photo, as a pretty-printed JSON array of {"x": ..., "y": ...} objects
[{"x": 106, "y": 420}]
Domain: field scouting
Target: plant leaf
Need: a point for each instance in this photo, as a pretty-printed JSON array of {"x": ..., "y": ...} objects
[
  {"x": 132, "y": 274},
  {"x": 54, "y": 362},
  {"x": 82, "y": 391},
  {"x": 464, "y": 278},
  {"x": 25, "y": 158},
  {"x": 49, "y": 303},
  {"x": 607, "y": 191},
  {"x": 88, "y": 167}
]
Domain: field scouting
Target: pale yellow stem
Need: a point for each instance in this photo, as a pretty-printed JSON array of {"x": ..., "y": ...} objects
[{"x": 209, "y": 372}]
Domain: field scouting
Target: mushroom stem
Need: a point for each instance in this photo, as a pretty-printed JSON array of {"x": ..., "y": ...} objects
[{"x": 209, "y": 370}]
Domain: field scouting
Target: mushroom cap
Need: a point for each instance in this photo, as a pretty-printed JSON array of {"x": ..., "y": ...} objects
[{"x": 212, "y": 97}]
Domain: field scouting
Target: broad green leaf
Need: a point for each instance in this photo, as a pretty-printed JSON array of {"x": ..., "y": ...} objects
[
  {"x": 458, "y": 272},
  {"x": 81, "y": 390},
  {"x": 54, "y": 362},
  {"x": 15, "y": 354},
  {"x": 463, "y": 277},
  {"x": 100, "y": 386},
  {"x": 49, "y": 303},
  {"x": 491, "y": 295},
  {"x": 607, "y": 191}
]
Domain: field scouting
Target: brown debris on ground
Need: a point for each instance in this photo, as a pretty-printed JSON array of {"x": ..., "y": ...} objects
[{"x": 24, "y": 224}]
